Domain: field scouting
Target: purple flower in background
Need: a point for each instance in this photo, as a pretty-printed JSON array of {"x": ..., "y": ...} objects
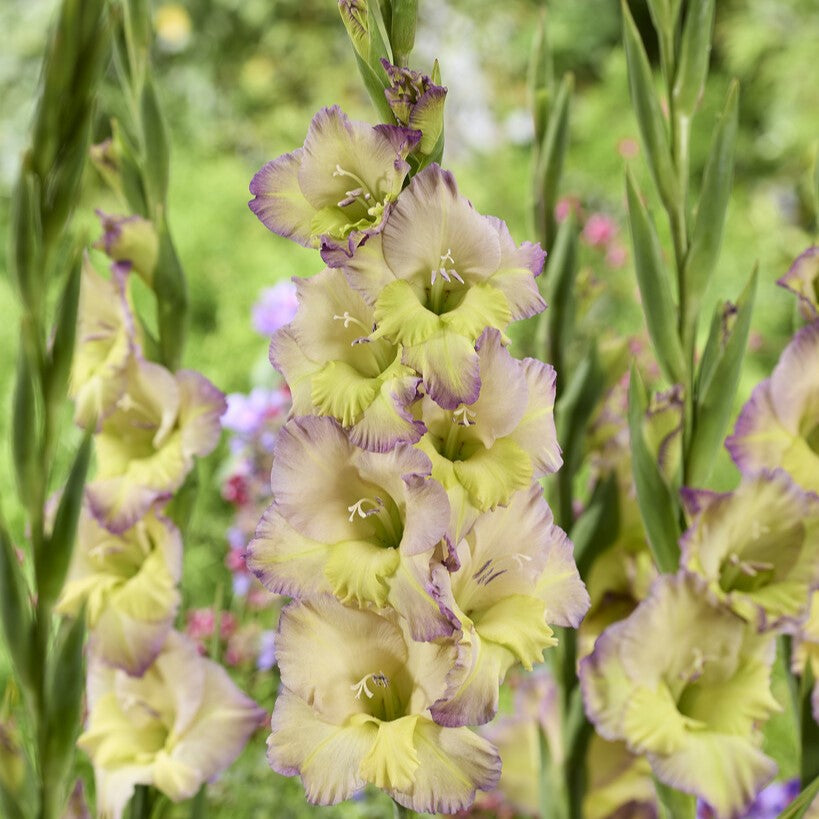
[
  {"x": 770, "y": 802},
  {"x": 275, "y": 307},
  {"x": 247, "y": 414},
  {"x": 266, "y": 658}
]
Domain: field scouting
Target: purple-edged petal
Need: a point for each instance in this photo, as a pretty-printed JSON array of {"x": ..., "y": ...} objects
[
  {"x": 803, "y": 280},
  {"x": 313, "y": 481},
  {"x": 504, "y": 392},
  {"x": 278, "y": 200},
  {"x": 430, "y": 220},
  {"x": 453, "y": 763},
  {"x": 285, "y": 561},
  {"x": 725, "y": 771},
  {"x": 450, "y": 369},
  {"x": 518, "y": 268},
  {"x": 779, "y": 426},
  {"x": 201, "y": 405},
  {"x": 411, "y": 594},
  {"x": 536, "y": 433},
  {"x": 758, "y": 548},
  {"x": 334, "y": 141},
  {"x": 795, "y": 382},
  {"x": 325, "y": 755},
  {"x": 686, "y": 682}
]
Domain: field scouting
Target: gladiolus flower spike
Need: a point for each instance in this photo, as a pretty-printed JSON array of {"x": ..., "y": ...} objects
[{"x": 406, "y": 521}]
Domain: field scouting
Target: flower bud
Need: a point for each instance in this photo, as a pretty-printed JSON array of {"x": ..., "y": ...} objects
[
  {"x": 131, "y": 242},
  {"x": 662, "y": 428},
  {"x": 417, "y": 102}
]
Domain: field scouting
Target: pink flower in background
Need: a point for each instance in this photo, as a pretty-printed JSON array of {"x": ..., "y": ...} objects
[
  {"x": 616, "y": 255},
  {"x": 275, "y": 307},
  {"x": 628, "y": 148},
  {"x": 599, "y": 229},
  {"x": 565, "y": 206}
]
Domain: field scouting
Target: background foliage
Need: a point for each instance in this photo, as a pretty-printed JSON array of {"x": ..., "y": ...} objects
[{"x": 240, "y": 80}]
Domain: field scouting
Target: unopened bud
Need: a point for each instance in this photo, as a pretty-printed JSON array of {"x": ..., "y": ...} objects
[{"x": 131, "y": 242}]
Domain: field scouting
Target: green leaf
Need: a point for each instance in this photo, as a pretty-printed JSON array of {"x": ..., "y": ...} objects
[
  {"x": 809, "y": 729},
  {"x": 695, "y": 50},
  {"x": 61, "y": 351},
  {"x": 56, "y": 557},
  {"x": 654, "y": 280},
  {"x": 660, "y": 11},
  {"x": 155, "y": 146},
  {"x": 657, "y": 506},
  {"x": 717, "y": 383},
  {"x": 27, "y": 427},
  {"x": 674, "y": 804},
  {"x": 26, "y": 237},
  {"x": 800, "y": 806},
  {"x": 379, "y": 37},
  {"x": 575, "y": 405},
  {"x": 650, "y": 119},
  {"x": 541, "y": 80},
  {"x": 403, "y": 21},
  {"x": 15, "y": 608},
  {"x": 551, "y": 154},
  {"x": 66, "y": 683},
  {"x": 713, "y": 204},
  {"x": 599, "y": 525},
  {"x": 375, "y": 83},
  {"x": 556, "y": 324},
  {"x": 199, "y": 806},
  {"x": 171, "y": 300}
]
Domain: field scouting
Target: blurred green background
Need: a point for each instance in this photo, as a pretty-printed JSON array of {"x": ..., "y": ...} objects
[{"x": 240, "y": 80}]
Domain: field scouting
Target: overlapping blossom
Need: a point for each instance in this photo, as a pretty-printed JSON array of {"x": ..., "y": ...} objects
[
  {"x": 127, "y": 583},
  {"x": 757, "y": 547},
  {"x": 619, "y": 784},
  {"x": 488, "y": 449},
  {"x": 686, "y": 682},
  {"x": 806, "y": 650},
  {"x": 332, "y": 369},
  {"x": 519, "y": 733},
  {"x": 779, "y": 426},
  {"x": 338, "y": 188},
  {"x": 361, "y": 716},
  {"x": 437, "y": 276},
  {"x": 362, "y": 526},
  {"x": 803, "y": 280},
  {"x": 175, "y": 727},
  {"x": 107, "y": 335},
  {"x": 507, "y": 590},
  {"x": 146, "y": 446}
]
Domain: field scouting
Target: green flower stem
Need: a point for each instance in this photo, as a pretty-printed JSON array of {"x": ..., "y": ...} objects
[
  {"x": 41, "y": 256},
  {"x": 403, "y": 813}
]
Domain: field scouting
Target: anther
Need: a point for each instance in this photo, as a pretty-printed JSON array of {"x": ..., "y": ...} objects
[
  {"x": 358, "y": 508},
  {"x": 446, "y": 273},
  {"x": 464, "y": 416},
  {"x": 380, "y": 680},
  {"x": 348, "y": 319}
]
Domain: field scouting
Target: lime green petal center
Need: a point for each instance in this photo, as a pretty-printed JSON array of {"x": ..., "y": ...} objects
[
  {"x": 359, "y": 571},
  {"x": 518, "y": 623}
]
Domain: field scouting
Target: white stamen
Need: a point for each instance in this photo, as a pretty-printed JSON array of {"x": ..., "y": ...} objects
[
  {"x": 380, "y": 679},
  {"x": 358, "y": 508},
  {"x": 446, "y": 273},
  {"x": 464, "y": 416},
  {"x": 348, "y": 319}
]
